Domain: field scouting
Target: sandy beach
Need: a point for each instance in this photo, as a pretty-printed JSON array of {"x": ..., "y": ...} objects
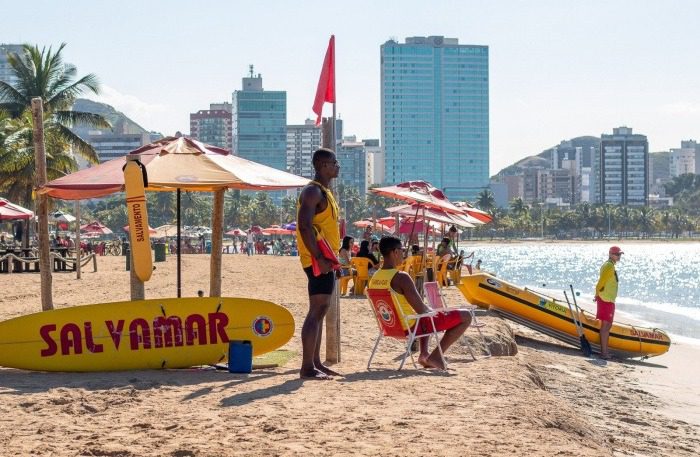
[{"x": 544, "y": 400}]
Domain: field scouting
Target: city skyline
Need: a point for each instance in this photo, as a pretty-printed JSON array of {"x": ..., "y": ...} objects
[{"x": 557, "y": 69}]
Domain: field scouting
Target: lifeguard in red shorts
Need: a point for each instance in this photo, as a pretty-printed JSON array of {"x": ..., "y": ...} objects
[
  {"x": 454, "y": 322},
  {"x": 605, "y": 296}
]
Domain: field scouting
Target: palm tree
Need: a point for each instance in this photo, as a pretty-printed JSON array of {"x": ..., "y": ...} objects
[
  {"x": 42, "y": 73},
  {"x": 485, "y": 200},
  {"x": 518, "y": 207}
]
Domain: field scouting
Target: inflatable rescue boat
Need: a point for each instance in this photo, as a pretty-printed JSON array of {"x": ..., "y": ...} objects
[{"x": 553, "y": 317}]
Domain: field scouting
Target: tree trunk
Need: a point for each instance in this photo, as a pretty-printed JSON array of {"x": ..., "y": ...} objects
[{"x": 217, "y": 235}]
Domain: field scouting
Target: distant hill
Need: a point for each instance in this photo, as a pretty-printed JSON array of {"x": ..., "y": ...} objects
[{"x": 119, "y": 121}]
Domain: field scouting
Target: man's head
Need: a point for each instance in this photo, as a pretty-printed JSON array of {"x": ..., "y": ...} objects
[
  {"x": 445, "y": 241},
  {"x": 615, "y": 253},
  {"x": 390, "y": 247},
  {"x": 325, "y": 163}
]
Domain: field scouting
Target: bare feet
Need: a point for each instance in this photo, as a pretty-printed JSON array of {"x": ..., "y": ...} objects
[
  {"x": 605, "y": 356},
  {"x": 327, "y": 370},
  {"x": 429, "y": 363},
  {"x": 314, "y": 375}
]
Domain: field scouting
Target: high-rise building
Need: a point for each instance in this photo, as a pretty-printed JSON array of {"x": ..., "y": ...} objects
[
  {"x": 352, "y": 157},
  {"x": 692, "y": 144},
  {"x": 375, "y": 162},
  {"x": 113, "y": 145},
  {"x": 260, "y": 123},
  {"x": 682, "y": 161},
  {"x": 624, "y": 168},
  {"x": 302, "y": 141},
  {"x": 6, "y": 73},
  {"x": 435, "y": 113},
  {"x": 213, "y": 126}
]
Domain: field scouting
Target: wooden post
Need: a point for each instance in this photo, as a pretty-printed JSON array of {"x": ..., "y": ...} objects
[
  {"x": 217, "y": 241},
  {"x": 333, "y": 315},
  {"x": 77, "y": 239},
  {"x": 43, "y": 204},
  {"x": 138, "y": 291}
]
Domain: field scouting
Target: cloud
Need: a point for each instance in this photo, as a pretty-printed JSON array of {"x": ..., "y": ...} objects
[
  {"x": 681, "y": 108},
  {"x": 144, "y": 113}
]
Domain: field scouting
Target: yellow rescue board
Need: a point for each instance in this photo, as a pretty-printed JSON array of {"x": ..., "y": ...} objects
[
  {"x": 553, "y": 317},
  {"x": 145, "y": 334},
  {"x": 138, "y": 220}
]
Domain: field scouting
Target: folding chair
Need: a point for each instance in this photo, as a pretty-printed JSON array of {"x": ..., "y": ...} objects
[
  {"x": 437, "y": 302},
  {"x": 393, "y": 323}
]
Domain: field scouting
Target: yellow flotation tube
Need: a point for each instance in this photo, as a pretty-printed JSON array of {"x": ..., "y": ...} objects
[{"x": 552, "y": 317}]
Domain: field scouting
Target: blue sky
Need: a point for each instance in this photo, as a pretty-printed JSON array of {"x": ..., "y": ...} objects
[{"x": 558, "y": 68}]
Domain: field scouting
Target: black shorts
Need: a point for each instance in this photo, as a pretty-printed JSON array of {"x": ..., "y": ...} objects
[{"x": 321, "y": 284}]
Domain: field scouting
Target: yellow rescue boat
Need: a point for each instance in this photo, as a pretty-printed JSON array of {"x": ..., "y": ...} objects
[{"x": 552, "y": 317}]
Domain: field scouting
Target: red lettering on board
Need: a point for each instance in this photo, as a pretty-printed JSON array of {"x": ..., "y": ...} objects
[
  {"x": 217, "y": 326},
  {"x": 89, "y": 340},
  {"x": 144, "y": 337},
  {"x": 116, "y": 334},
  {"x": 167, "y": 331},
  {"x": 200, "y": 332},
  {"x": 51, "y": 346},
  {"x": 71, "y": 339}
]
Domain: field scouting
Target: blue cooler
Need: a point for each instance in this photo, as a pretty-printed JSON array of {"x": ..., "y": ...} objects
[{"x": 240, "y": 356}]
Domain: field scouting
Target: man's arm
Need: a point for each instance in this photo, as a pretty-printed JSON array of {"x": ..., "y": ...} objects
[
  {"x": 606, "y": 272},
  {"x": 311, "y": 196},
  {"x": 403, "y": 284}
]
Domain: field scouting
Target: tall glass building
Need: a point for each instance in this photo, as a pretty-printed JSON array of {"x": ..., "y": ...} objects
[
  {"x": 260, "y": 123},
  {"x": 435, "y": 114},
  {"x": 624, "y": 168}
]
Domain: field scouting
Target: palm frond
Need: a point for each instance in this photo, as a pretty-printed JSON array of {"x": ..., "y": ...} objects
[
  {"x": 73, "y": 118},
  {"x": 80, "y": 146}
]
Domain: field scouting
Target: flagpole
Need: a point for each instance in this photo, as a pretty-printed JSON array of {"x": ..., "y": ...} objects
[{"x": 333, "y": 315}]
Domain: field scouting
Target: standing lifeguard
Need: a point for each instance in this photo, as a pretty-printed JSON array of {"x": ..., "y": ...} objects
[
  {"x": 317, "y": 217},
  {"x": 605, "y": 296}
]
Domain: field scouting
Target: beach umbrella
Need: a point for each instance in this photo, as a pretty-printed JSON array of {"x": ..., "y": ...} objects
[
  {"x": 437, "y": 215},
  {"x": 376, "y": 225},
  {"x": 95, "y": 228},
  {"x": 176, "y": 164},
  {"x": 290, "y": 226},
  {"x": 151, "y": 230},
  {"x": 165, "y": 231},
  {"x": 421, "y": 193},
  {"x": 409, "y": 225},
  {"x": 277, "y": 230},
  {"x": 10, "y": 211},
  {"x": 475, "y": 213},
  {"x": 61, "y": 217},
  {"x": 236, "y": 232}
]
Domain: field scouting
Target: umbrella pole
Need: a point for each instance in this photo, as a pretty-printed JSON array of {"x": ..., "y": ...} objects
[
  {"x": 77, "y": 239},
  {"x": 179, "y": 247},
  {"x": 217, "y": 236}
]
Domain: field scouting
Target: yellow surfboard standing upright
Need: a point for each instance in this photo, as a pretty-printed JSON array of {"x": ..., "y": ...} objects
[{"x": 135, "y": 184}]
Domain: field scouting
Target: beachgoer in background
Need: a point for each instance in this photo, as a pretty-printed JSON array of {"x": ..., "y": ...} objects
[
  {"x": 454, "y": 322},
  {"x": 251, "y": 242},
  {"x": 317, "y": 217},
  {"x": 453, "y": 235},
  {"x": 444, "y": 248},
  {"x": 415, "y": 250},
  {"x": 478, "y": 265},
  {"x": 605, "y": 296},
  {"x": 367, "y": 235},
  {"x": 364, "y": 253},
  {"x": 374, "y": 250},
  {"x": 344, "y": 257}
]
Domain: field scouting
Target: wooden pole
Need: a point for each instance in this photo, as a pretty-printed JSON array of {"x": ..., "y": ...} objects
[
  {"x": 138, "y": 291},
  {"x": 43, "y": 204},
  {"x": 217, "y": 241},
  {"x": 77, "y": 239}
]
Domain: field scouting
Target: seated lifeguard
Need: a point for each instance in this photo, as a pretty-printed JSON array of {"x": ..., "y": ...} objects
[{"x": 454, "y": 322}]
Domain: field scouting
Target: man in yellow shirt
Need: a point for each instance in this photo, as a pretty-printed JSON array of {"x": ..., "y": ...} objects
[
  {"x": 605, "y": 296},
  {"x": 317, "y": 217},
  {"x": 454, "y": 322}
]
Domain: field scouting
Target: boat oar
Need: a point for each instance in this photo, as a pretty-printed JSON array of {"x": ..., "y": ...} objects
[{"x": 585, "y": 345}]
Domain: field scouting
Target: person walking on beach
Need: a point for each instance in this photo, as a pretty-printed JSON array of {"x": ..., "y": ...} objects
[
  {"x": 317, "y": 217},
  {"x": 251, "y": 242},
  {"x": 454, "y": 322},
  {"x": 605, "y": 296}
]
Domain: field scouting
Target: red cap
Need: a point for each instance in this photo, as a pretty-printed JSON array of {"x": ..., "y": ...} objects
[{"x": 615, "y": 250}]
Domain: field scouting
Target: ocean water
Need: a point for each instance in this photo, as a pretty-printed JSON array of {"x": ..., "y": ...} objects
[{"x": 659, "y": 282}]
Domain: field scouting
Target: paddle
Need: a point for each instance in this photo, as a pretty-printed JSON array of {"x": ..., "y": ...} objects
[{"x": 585, "y": 345}]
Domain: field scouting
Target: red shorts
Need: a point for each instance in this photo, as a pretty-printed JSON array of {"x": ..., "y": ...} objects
[
  {"x": 443, "y": 321},
  {"x": 606, "y": 310}
]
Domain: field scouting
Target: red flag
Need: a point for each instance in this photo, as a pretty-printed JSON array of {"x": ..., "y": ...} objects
[{"x": 325, "y": 92}]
